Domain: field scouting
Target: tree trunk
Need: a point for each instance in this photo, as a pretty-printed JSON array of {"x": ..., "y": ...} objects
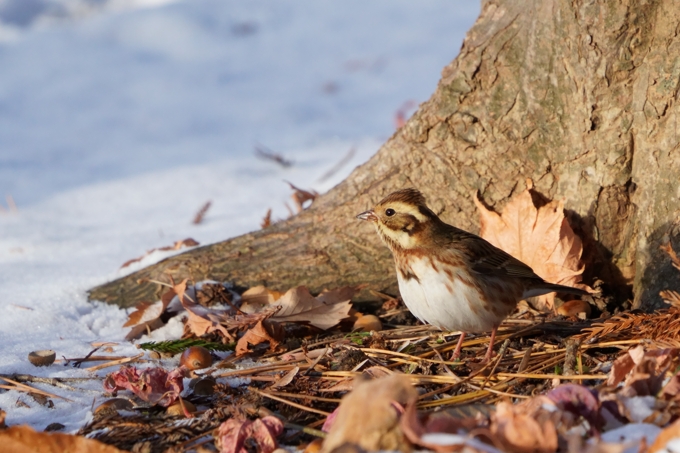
[{"x": 579, "y": 95}]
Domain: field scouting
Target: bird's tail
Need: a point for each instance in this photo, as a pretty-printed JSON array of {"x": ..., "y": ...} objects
[{"x": 554, "y": 288}]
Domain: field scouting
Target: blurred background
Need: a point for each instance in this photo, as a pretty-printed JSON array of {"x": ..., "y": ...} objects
[{"x": 98, "y": 90}]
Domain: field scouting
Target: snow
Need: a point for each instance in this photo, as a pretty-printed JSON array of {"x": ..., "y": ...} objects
[{"x": 119, "y": 119}]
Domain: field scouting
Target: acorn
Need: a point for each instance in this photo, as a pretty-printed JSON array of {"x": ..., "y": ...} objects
[
  {"x": 574, "y": 307},
  {"x": 44, "y": 357},
  {"x": 368, "y": 323},
  {"x": 176, "y": 408},
  {"x": 196, "y": 358}
]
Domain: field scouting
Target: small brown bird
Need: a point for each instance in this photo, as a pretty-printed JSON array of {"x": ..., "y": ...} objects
[{"x": 448, "y": 277}]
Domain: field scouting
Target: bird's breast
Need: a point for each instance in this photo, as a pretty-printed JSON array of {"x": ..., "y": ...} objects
[{"x": 446, "y": 296}]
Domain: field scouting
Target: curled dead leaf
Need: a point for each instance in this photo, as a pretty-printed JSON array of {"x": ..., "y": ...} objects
[
  {"x": 369, "y": 415},
  {"x": 233, "y": 434},
  {"x": 298, "y": 305},
  {"x": 22, "y": 439},
  {"x": 519, "y": 430},
  {"x": 300, "y": 197},
  {"x": 188, "y": 242},
  {"x": 153, "y": 385},
  {"x": 264, "y": 331}
]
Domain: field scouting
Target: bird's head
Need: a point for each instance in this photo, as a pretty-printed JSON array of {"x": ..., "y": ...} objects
[{"x": 401, "y": 218}]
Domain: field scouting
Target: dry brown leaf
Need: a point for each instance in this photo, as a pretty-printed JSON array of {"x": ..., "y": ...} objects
[
  {"x": 135, "y": 317},
  {"x": 200, "y": 215},
  {"x": 520, "y": 431},
  {"x": 369, "y": 415},
  {"x": 255, "y": 298},
  {"x": 23, "y": 439},
  {"x": 300, "y": 197},
  {"x": 152, "y": 322},
  {"x": 298, "y": 305},
  {"x": 669, "y": 433},
  {"x": 286, "y": 378},
  {"x": 201, "y": 320},
  {"x": 540, "y": 237},
  {"x": 267, "y": 220},
  {"x": 264, "y": 331},
  {"x": 188, "y": 242},
  {"x": 233, "y": 434}
]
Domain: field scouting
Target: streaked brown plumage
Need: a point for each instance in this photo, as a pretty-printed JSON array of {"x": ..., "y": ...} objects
[{"x": 448, "y": 277}]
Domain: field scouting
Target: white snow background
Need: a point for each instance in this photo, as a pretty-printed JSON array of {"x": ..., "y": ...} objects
[{"x": 119, "y": 119}]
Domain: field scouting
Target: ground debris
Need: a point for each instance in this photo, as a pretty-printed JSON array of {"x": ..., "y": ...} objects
[{"x": 551, "y": 379}]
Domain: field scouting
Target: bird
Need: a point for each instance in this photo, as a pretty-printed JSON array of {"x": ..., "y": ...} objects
[{"x": 448, "y": 277}]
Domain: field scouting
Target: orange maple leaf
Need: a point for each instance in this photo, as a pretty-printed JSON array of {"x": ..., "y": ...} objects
[{"x": 539, "y": 237}]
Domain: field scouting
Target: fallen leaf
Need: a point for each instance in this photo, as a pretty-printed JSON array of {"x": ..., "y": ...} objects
[
  {"x": 147, "y": 320},
  {"x": 440, "y": 431},
  {"x": 201, "y": 320},
  {"x": 643, "y": 371},
  {"x": 264, "y": 331},
  {"x": 669, "y": 433},
  {"x": 188, "y": 242},
  {"x": 369, "y": 415},
  {"x": 539, "y": 237},
  {"x": 255, "y": 298},
  {"x": 200, "y": 215},
  {"x": 267, "y": 220},
  {"x": 135, "y": 317},
  {"x": 153, "y": 385},
  {"x": 286, "y": 378},
  {"x": 22, "y": 439},
  {"x": 233, "y": 433},
  {"x": 298, "y": 305},
  {"x": 300, "y": 197},
  {"x": 519, "y": 431},
  {"x": 577, "y": 400}
]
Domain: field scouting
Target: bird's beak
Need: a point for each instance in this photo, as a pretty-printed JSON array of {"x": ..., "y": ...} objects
[{"x": 368, "y": 215}]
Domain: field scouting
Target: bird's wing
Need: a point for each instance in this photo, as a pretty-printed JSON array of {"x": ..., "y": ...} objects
[{"x": 488, "y": 259}]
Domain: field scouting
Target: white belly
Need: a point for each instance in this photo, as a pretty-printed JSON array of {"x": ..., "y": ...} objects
[{"x": 446, "y": 303}]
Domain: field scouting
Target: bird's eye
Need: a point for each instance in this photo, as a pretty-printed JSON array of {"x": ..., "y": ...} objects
[{"x": 389, "y": 212}]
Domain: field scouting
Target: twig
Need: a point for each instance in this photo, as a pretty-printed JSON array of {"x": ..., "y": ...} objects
[
  {"x": 50, "y": 381},
  {"x": 552, "y": 376},
  {"x": 290, "y": 403},
  {"x": 115, "y": 362},
  {"x": 27, "y": 388},
  {"x": 304, "y": 397},
  {"x": 305, "y": 429}
]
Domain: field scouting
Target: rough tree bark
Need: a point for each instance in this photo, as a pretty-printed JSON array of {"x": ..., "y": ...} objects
[{"x": 579, "y": 95}]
